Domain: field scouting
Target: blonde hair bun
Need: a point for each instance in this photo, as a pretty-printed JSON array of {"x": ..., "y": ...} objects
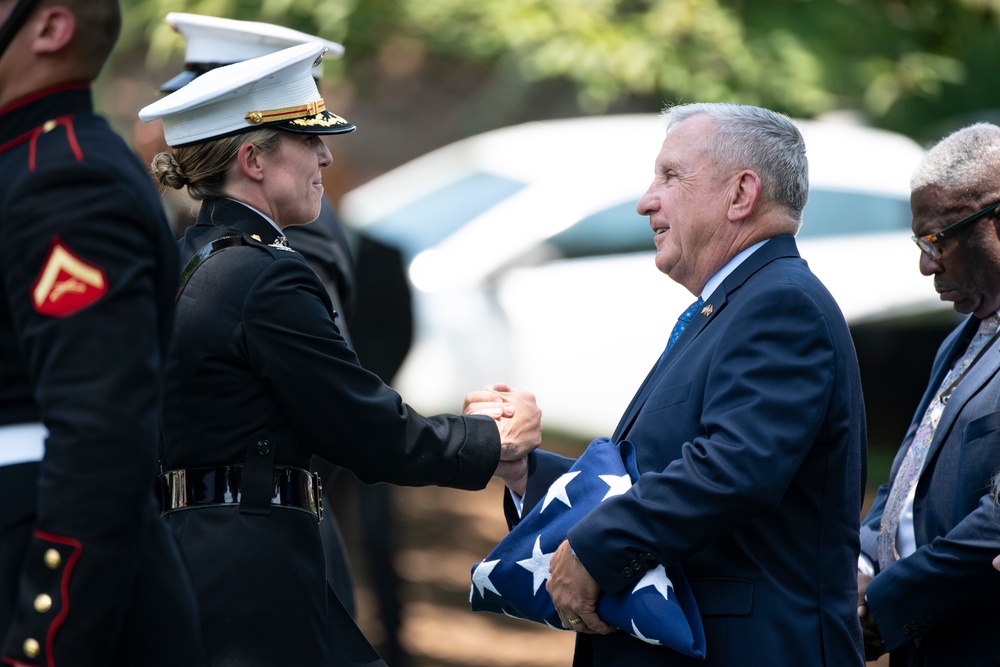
[{"x": 168, "y": 171}]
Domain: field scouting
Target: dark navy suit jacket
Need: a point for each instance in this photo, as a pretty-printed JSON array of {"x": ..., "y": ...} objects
[
  {"x": 940, "y": 606},
  {"x": 750, "y": 438}
]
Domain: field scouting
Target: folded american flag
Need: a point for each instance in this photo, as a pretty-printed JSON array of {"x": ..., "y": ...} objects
[{"x": 659, "y": 609}]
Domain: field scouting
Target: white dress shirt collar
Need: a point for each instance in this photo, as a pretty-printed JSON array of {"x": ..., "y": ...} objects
[{"x": 730, "y": 266}]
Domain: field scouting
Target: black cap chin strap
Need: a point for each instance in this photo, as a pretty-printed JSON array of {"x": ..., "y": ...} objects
[{"x": 14, "y": 22}]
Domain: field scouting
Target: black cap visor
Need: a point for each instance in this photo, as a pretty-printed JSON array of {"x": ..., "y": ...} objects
[{"x": 322, "y": 123}]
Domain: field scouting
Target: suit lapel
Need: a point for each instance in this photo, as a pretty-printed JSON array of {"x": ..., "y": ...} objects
[
  {"x": 950, "y": 350},
  {"x": 976, "y": 378},
  {"x": 780, "y": 246},
  {"x": 713, "y": 306},
  {"x": 954, "y": 347},
  {"x": 633, "y": 407}
]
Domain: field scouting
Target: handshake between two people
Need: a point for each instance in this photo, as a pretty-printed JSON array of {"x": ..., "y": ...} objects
[{"x": 519, "y": 420}]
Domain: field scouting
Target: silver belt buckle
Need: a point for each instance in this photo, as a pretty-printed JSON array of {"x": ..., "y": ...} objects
[{"x": 319, "y": 496}]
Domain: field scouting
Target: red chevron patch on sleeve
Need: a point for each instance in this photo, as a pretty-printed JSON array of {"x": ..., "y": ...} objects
[{"x": 66, "y": 284}]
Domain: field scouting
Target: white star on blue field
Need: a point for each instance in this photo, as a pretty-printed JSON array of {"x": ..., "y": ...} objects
[
  {"x": 658, "y": 609},
  {"x": 538, "y": 564}
]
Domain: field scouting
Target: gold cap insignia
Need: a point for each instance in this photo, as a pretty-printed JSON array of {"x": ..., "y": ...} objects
[
  {"x": 286, "y": 113},
  {"x": 326, "y": 120}
]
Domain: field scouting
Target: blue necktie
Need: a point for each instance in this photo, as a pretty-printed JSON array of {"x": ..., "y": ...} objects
[{"x": 682, "y": 322}]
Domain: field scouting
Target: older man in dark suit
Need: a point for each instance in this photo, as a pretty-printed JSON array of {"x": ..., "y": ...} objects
[
  {"x": 749, "y": 430},
  {"x": 933, "y": 529}
]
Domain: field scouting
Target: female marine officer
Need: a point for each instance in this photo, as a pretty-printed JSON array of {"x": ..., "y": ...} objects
[{"x": 259, "y": 378}]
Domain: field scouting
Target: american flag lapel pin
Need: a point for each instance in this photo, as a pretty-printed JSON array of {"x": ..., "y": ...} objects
[{"x": 707, "y": 310}]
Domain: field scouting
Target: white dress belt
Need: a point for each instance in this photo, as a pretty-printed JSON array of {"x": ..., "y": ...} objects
[{"x": 22, "y": 443}]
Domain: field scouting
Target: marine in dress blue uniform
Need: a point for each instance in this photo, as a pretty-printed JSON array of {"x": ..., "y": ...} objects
[
  {"x": 211, "y": 42},
  {"x": 89, "y": 574},
  {"x": 260, "y": 380}
]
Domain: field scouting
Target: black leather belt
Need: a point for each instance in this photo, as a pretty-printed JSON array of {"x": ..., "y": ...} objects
[{"x": 194, "y": 488}]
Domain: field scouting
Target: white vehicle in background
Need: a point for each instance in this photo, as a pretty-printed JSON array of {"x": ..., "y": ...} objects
[{"x": 529, "y": 264}]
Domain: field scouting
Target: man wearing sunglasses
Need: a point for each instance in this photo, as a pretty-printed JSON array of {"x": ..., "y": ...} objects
[{"x": 927, "y": 592}]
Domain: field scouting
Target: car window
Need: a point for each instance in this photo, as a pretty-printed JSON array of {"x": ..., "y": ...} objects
[
  {"x": 832, "y": 212},
  {"x": 619, "y": 229},
  {"x": 613, "y": 231},
  {"x": 430, "y": 219}
]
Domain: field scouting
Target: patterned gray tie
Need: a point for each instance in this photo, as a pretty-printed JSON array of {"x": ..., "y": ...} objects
[{"x": 913, "y": 462}]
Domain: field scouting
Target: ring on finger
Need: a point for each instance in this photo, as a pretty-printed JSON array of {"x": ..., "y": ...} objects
[{"x": 574, "y": 621}]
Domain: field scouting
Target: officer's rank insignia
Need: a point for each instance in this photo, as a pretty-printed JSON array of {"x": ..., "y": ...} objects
[{"x": 66, "y": 284}]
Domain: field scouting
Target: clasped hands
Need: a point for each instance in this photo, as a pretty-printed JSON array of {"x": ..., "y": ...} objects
[
  {"x": 573, "y": 591},
  {"x": 874, "y": 647},
  {"x": 519, "y": 420}
]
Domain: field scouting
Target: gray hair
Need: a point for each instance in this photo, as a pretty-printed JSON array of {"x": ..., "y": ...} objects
[
  {"x": 757, "y": 139},
  {"x": 967, "y": 160}
]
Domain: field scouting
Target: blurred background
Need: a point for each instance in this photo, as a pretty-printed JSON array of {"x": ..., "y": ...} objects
[{"x": 501, "y": 148}]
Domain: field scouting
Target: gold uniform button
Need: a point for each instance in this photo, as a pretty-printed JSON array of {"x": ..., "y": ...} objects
[
  {"x": 52, "y": 559},
  {"x": 31, "y": 648},
  {"x": 43, "y": 603}
]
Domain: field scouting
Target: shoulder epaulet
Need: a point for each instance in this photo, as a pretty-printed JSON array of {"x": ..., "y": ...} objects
[
  {"x": 279, "y": 243},
  {"x": 46, "y": 127}
]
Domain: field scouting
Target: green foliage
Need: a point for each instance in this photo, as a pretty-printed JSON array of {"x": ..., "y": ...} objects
[{"x": 799, "y": 56}]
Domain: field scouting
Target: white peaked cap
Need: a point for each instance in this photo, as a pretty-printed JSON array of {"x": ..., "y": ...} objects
[
  {"x": 275, "y": 90},
  {"x": 210, "y": 41}
]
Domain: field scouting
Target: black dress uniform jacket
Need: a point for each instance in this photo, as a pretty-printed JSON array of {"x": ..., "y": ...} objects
[
  {"x": 258, "y": 373},
  {"x": 88, "y": 572},
  {"x": 324, "y": 245}
]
